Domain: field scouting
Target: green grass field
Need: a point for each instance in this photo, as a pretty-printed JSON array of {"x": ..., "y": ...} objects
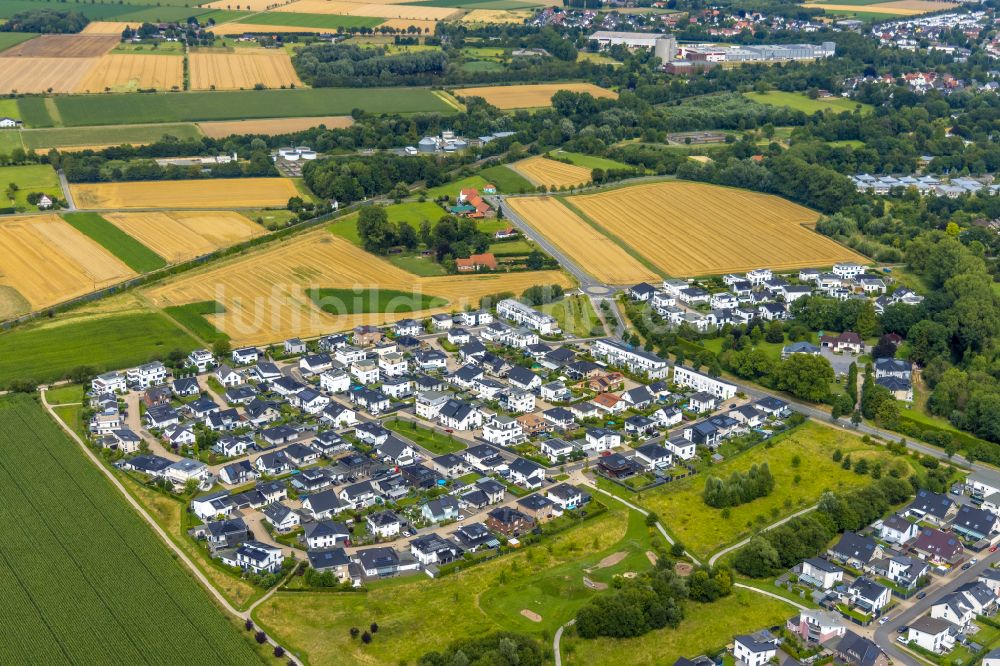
[
  {"x": 9, "y": 39},
  {"x": 136, "y": 256},
  {"x": 8, "y": 107},
  {"x": 191, "y": 317},
  {"x": 434, "y": 441},
  {"x": 125, "y": 108},
  {"x": 704, "y": 530},
  {"x": 418, "y": 265},
  {"x": 479, "y": 66},
  {"x": 30, "y": 178},
  {"x": 68, "y": 393},
  {"x": 347, "y": 301},
  {"x": 596, "y": 58},
  {"x": 65, "y": 137},
  {"x": 590, "y": 161},
  {"x": 95, "y": 12},
  {"x": 576, "y": 316},
  {"x": 415, "y": 212},
  {"x": 84, "y": 579},
  {"x": 150, "y": 48},
  {"x": 801, "y": 102},
  {"x": 506, "y": 179},
  {"x": 10, "y": 140},
  {"x": 326, "y": 21},
  {"x": 47, "y": 352},
  {"x": 512, "y": 248}
]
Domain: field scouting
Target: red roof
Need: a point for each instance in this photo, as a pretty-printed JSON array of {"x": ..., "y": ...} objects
[{"x": 485, "y": 260}]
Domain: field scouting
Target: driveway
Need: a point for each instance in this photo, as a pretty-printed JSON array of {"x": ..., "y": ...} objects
[{"x": 841, "y": 362}]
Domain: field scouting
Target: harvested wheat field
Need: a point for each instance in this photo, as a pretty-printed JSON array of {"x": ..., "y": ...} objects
[
  {"x": 211, "y": 193},
  {"x": 264, "y": 291},
  {"x": 223, "y": 128},
  {"x": 114, "y": 28},
  {"x": 73, "y": 263},
  {"x": 593, "y": 251},
  {"x": 541, "y": 170},
  {"x": 242, "y": 70},
  {"x": 689, "y": 229},
  {"x": 36, "y": 75},
  {"x": 127, "y": 72},
  {"x": 63, "y": 46},
  {"x": 501, "y": 16},
  {"x": 530, "y": 95},
  {"x": 178, "y": 236}
]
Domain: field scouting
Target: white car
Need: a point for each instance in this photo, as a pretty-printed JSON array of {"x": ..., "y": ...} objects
[
  {"x": 883, "y": 619},
  {"x": 901, "y": 640}
]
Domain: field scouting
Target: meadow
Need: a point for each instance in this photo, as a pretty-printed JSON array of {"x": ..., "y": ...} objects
[
  {"x": 30, "y": 178},
  {"x": 576, "y": 316},
  {"x": 192, "y": 317},
  {"x": 702, "y": 229},
  {"x": 48, "y": 351},
  {"x": 124, "y": 108},
  {"x": 704, "y": 529},
  {"x": 590, "y": 161},
  {"x": 117, "y": 585},
  {"x": 530, "y": 95},
  {"x": 802, "y": 102},
  {"x": 134, "y": 254},
  {"x": 349, "y": 301},
  {"x": 102, "y": 135},
  {"x": 436, "y": 442}
]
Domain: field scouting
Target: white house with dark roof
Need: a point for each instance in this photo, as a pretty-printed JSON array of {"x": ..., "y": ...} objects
[
  {"x": 897, "y": 529},
  {"x": 691, "y": 378},
  {"x": 821, "y": 573}
]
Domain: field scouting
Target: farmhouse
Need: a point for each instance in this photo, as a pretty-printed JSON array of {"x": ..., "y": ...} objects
[{"x": 476, "y": 262}]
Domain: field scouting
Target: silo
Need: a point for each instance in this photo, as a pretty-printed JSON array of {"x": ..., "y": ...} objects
[{"x": 665, "y": 48}]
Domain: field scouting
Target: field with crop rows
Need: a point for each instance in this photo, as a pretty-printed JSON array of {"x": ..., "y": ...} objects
[
  {"x": 73, "y": 263},
  {"x": 126, "y": 108},
  {"x": 83, "y": 579},
  {"x": 530, "y": 95},
  {"x": 700, "y": 229},
  {"x": 214, "y": 193},
  {"x": 63, "y": 46},
  {"x": 106, "y": 135},
  {"x": 39, "y": 75},
  {"x": 241, "y": 70},
  {"x": 108, "y": 27},
  {"x": 178, "y": 236},
  {"x": 541, "y": 170},
  {"x": 265, "y": 292},
  {"x": 224, "y": 128},
  {"x": 596, "y": 253},
  {"x": 126, "y": 72}
]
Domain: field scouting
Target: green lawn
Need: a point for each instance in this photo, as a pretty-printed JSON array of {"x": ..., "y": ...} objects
[
  {"x": 413, "y": 213},
  {"x": 506, "y": 179},
  {"x": 511, "y": 248},
  {"x": 30, "y": 178},
  {"x": 130, "y": 108},
  {"x": 10, "y": 140},
  {"x": 136, "y": 256},
  {"x": 704, "y": 530},
  {"x": 705, "y": 628},
  {"x": 576, "y": 316},
  {"x": 418, "y": 265},
  {"x": 596, "y": 58},
  {"x": 271, "y": 219},
  {"x": 65, "y": 137},
  {"x": 415, "y": 617},
  {"x": 590, "y": 161},
  {"x": 438, "y": 443},
  {"x": 801, "y": 102},
  {"x": 846, "y": 143},
  {"x": 85, "y": 578},
  {"x": 347, "y": 228},
  {"x": 8, "y": 107},
  {"x": 452, "y": 189},
  {"x": 69, "y": 393},
  {"x": 191, "y": 317},
  {"x": 311, "y": 20},
  {"x": 72, "y": 415},
  {"x": 49, "y": 351},
  {"x": 348, "y": 301},
  {"x": 150, "y": 48}
]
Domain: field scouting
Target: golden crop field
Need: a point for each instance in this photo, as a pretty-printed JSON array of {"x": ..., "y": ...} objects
[
  {"x": 593, "y": 251},
  {"x": 169, "y": 194},
  {"x": 223, "y": 128},
  {"x": 899, "y": 7},
  {"x": 530, "y": 95},
  {"x": 515, "y": 16},
  {"x": 63, "y": 46},
  {"x": 690, "y": 229},
  {"x": 107, "y": 28},
  {"x": 38, "y": 75},
  {"x": 47, "y": 261},
  {"x": 242, "y": 70},
  {"x": 128, "y": 72},
  {"x": 264, "y": 292},
  {"x": 177, "y": 236},
  {"x": 541, "y": 170}
]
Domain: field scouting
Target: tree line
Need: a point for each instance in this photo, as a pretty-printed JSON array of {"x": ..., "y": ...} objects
[{"x": 45, "y": 21}]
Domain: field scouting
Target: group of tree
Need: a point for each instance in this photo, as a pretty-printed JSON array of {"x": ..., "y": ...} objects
[
  {"x": 807, "y": 535},
  {"x": 45, "y": 21},
  {"x": 449, "y": 237},
  {"x": 739, "y": 488},
  {"x": 326, "y": 65},
  {"x": 359, "y": 177},
  {"x": 95, "y": 169},
  {"x": 541, "y": 294},
  {"x": 502, "y": 648}
]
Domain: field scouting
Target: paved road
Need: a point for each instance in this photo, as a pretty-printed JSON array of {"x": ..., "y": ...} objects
[
  {"x": 160, "y": 532},
  {"x": 67, "y": 193}
]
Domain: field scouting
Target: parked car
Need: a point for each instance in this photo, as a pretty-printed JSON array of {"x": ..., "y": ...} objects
[
  {"x": 901, "y": 640},
  {"x": 921, "y": 595},
  {"x": 883, "y": 619},
  {"x": 966, "y": 566},
  {"x": 902, "y": 629}
]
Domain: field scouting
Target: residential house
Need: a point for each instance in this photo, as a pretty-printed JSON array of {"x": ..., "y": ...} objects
[
  {"x": 282, "y": 518},
  {"x": 256, "y": 557},
  {"x": 868, "y": 595},
  {"x": 599, "y": 440},
  {"x": 897, "y": 529},
  {"x": 936, "y": 508},
  {"x": 440, "y": 509},
  {"x": 527, "y": 474},
  {"x": 653, "y": 457},
  {"x": 433, "y": 549},
  {"x": 325, "y": 534},
  {"x": 503, "y": 430},
  {"x": 383, "y": 524},
  {"x": 937, "y": 547},
  {"x": 855, "y": 550},
  {"x": 322, "y": 505},
  {"x": 699, "y": 382},
  {"x": 680, "y": 446},
  {"x": 509, "y": 521},
  {"x": 821, "y": 573},
  {"x": 816, "y": 626},
  {"x": 755, "y": 650},
  {"x": 974, "y": 524},
  {"x": 460, "y": 415},
  {"x": 931, "y": 633}
]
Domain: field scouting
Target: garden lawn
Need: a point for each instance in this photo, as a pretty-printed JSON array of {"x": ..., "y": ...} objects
[
  {"x": 511, "y": 248},
  {"x": 134, "y": 254},
  {"x": 703, "y": 530},
  {"x": 30, "y": 178},
  {"x": 416, "y": 615},
  {"x": 47, "y": 352},
  {"x": 413, "y": 213},
  {"x": 67, "y": 394},
  {"x": 72, "y": 415},
  {"x": 438, "y": 443},
  {"x": 802, "y": 102},
  {"x": 347, "y": 301},
  {"x": 192, "y": 317},
  {"x": 418, "y": 265},
  {"x": 706, "y": 628},
  {"x": 575, "y": 315}
]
